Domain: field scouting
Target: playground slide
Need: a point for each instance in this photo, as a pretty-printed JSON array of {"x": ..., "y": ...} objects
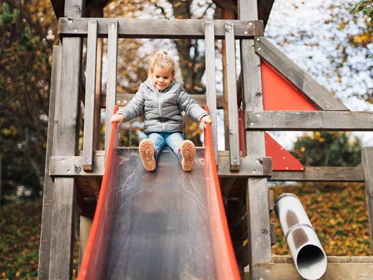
[{"x": 166, "y": 224}]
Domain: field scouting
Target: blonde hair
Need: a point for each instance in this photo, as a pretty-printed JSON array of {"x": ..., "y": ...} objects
[{"x": 164, "y": 60}]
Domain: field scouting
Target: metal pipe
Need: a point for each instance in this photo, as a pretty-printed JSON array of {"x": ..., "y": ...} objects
[{"x": 308, "y": 255}]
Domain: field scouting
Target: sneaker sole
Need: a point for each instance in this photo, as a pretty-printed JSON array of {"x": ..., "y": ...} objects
[
  {"x": 188, "y": 152},
  {"x": 146, "y": 149}
]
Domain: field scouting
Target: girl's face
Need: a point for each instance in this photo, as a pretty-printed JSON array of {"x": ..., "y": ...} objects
[{"x": 161, "y": 77}]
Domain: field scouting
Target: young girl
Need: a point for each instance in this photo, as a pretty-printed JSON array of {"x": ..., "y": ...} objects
[{"x": 162, "y": 98}]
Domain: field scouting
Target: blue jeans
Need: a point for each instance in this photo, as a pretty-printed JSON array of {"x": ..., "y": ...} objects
[{"x": 170, "y": 139}]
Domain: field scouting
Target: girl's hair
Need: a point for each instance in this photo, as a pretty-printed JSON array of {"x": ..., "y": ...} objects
[{"x": 164, "y": 60}]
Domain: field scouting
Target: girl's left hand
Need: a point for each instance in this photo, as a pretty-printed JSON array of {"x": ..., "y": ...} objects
[{"x": 206, "y": 119}]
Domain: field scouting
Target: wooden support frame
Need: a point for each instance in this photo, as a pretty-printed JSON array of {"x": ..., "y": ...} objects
[
  {"x": 70, "y": 166},
  {"x": 46, "y": 220},
  {"x": 111, "y": 77},
  {"x": 159, "y": 28},
  {"x": 232, "y": 98},
  {"x": 309, "y": 120},
  {"x": 298, "y": 78},
  {"x": 62, "y": 198},
  {"x": 367, "y": 157},
  {"x": 258, "y": 249},
  {"x": 343, "y": 268},
  {"x": 90, "y": 95},
  {"x": 211, "y": 81}
]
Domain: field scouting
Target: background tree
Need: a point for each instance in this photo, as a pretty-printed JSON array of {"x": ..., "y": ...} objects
[
  {"x": 26, "y": 33},
  {"x": 328, "y": 149}
]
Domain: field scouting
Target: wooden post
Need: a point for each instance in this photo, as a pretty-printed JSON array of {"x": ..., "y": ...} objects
[
  {"x": 46, "y": 219},
  {"x": 234, "y": 150},
  {"x": 97, "y": 13},
  {"x": 367, "y": 158},
  {"x": 111, "y": 77},
  {"x": 211, "y": 81},
  {"x": 257, "y": 188},
  {"x": 90, "y": 98},
  {"x": 66, "y": 144},
  {"x": 227, "y": 14}
]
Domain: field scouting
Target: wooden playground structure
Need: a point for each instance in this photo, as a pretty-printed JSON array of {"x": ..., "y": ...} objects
[{"x": 252, "y": 105}]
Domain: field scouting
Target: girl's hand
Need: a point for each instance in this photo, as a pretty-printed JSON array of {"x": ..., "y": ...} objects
[
  {"x": 206, "y": 119},
  {"x": 117, "y": 118}
]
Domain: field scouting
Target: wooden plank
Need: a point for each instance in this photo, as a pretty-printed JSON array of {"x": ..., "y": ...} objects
[
  {"x": 85, "y": 228},
  {"x": 309, "y": 120},
  {"x": 97, "y": 12},
  {"x": 248, "y": 9},
  {"x": 297, "y": 77},
  {"x": 258, "y": 247},
  {"x": 61, "y": 249},
  {"x": 111, "y": 77},
  {"x": 46, "y": 219},
  {"x": 322, "y": 174},
  {"x": 226, "y": 14},
  {"x": 160, "y": 28},
  {"x": 62, "y": 226},
  {"x": 232, "y": 99},
  {"x": 90, "y": 98},
  {"x": 353, "y": 269},
  {"x": 250, "y": 166},
  {"x": 211, "y": 81},
  {"x": 71, "y": 166},
  {"x": 367, "y": 157}
]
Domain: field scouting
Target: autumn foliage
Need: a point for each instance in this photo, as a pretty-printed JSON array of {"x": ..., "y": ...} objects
[{"x": 337, "y": 212}]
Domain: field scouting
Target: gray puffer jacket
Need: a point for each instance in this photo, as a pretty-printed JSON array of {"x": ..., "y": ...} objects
[{"x": 162, "y": 110}]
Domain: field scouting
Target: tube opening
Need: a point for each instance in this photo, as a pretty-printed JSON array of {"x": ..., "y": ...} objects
[{"x": 311, "y": 262}]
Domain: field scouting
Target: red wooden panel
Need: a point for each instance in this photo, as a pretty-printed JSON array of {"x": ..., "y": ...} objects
[
  {"x": 279, "y": 95},
  {"x": 282, "y": 160}
]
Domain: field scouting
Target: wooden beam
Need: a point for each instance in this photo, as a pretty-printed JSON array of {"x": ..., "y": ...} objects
[
  {"x": 46, "y": 219},
  {"x": 211, "y": 81},
  {"x": 250, "y": 166},
  {"x": 112, "y": 77},
  {"x": 297, "y": 77},
  {"x": 159, "y": 28},
  {"x": 90, "y": 96},
  {"x": 321, "y": 174},
  {"x": 309, "y": 121},
  {"x": 343, "y": 268},
  {"x": 367, "y": 156},
  {"x": 258, "y": 247},
  {"x": 232, "y": 98},
  {"x": 62, "y": 225}
]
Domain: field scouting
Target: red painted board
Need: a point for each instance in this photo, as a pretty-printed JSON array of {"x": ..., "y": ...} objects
[
  {"x": 282, "y": 160},
  {"x": 278, "y": 94}
]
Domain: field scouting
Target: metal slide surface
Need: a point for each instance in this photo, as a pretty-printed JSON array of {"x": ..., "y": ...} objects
[
  {"x": 158, "y": 225},
  {"x": 160, "y": 221}
]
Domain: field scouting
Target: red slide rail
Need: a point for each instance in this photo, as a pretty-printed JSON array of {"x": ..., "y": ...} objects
[
  {"x": 225, "y": 259},
  {"x": 92, "y": 266}
]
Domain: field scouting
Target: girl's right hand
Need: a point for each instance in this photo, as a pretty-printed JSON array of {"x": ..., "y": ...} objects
[{"x": 117, "y": 118}]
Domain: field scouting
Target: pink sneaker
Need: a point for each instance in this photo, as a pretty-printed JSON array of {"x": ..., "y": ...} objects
[
  {"x": 146, "y": 149},
  {"x": 188, "y": 152}
]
